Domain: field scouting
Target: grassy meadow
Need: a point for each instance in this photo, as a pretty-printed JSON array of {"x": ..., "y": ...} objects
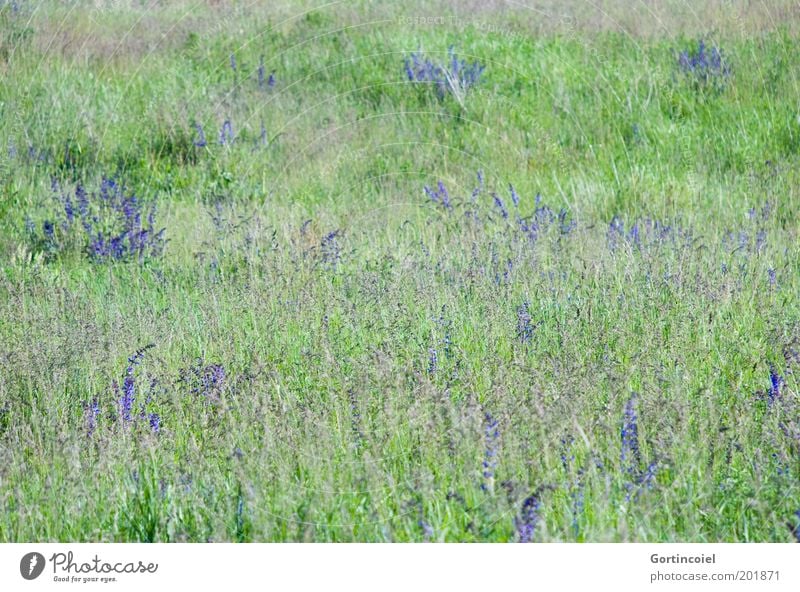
[{"x": 388, "y": 272}]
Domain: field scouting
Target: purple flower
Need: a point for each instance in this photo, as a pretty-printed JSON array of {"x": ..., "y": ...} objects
[
  {"x": 200, "y": 141},
  {"x": 567, "y": 226},
  {"x": 525, "y": 523},
  {"x": 433, "y": 360},
  {"x": 128, "y": 385},
  {"x": 329, "y": 247},
  {"x": 212, "y": 379},
  {"x": 499, "y": 203},
  {"x": 233, "y": 62},
  {"x": 704, "y": 66},
  {"x": 155, "y": 422},
  {"x": 112, "y": 223},
  {"x": 440, "y": 195},
  {"x": 128, "y": 395},
  {"x": 226, "y": 133},
  {"x": 514, "y": 195},
  {"x": 445, "y": 196},
  {"x": 69, "y": 209},
  {"x": 444, "y": 77},
  {"x": 524, "y": 324},
  {"x": 776, "y": 381}
]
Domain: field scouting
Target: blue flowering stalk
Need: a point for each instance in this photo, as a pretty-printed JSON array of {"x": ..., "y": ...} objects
[
  {"x": 128, "y": 396},
  {"x": 440, "y": 195},
  {"x": 226, "y": 133},
  {"x": 500, "y": 205},
  {"x": 514, "y": 195},
  {"x": 775, "y": 383},
  {"x": 114, "y": 226},
  {"x": 203, "y": 380},
  {"x": 155, "y": 422},
  {"x": 456, "y": 76},
  {"x": 525, "y": 523},
  {"x": 630, "y": 455},
  {"x": 433, "y": 360},
  {"x": 705, "y": 66},
  {"x": 524, "y": 323},
  {"x": 330, "y": 249},
  {"x": 200, "y": 140}
]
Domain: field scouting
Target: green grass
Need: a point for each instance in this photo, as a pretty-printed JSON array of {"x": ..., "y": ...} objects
[{"x": 330, "y": 424}]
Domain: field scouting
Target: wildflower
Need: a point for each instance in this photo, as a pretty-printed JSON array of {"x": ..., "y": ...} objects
[
  {"x": 648, "y": 477},
  {"x": 524, "y": 325},
  {"x": 776, "y": 381},
  {"x": 233, "y": 62},
  {"x": 128, "y": 384},
  {"x": 128, "y": 395},
  {"x": 433, "y": 360},
  {"x": 525, "y": 523},
  {"x": 200, "y": 141},
  {"x": 226, "y": 133},
  {"x": 568, "y": 226},
  {"x": 704, "y": 66},
  {"x": 155, "y": 422},
  {"x": 69, "y": 209},
  {"x": 771, "y": 275},
  {"x": 440, "y": 195},
  {"x": 457, "y": 76},
  {"x": 499, "y": 203},
  {"x": 445, "y": 196},
  {"x": 479, "y": 188},
  {"x": 514, "y": 195},
  {"x": 271, "y": 80},
  {"x": 331, "y": 252}
]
